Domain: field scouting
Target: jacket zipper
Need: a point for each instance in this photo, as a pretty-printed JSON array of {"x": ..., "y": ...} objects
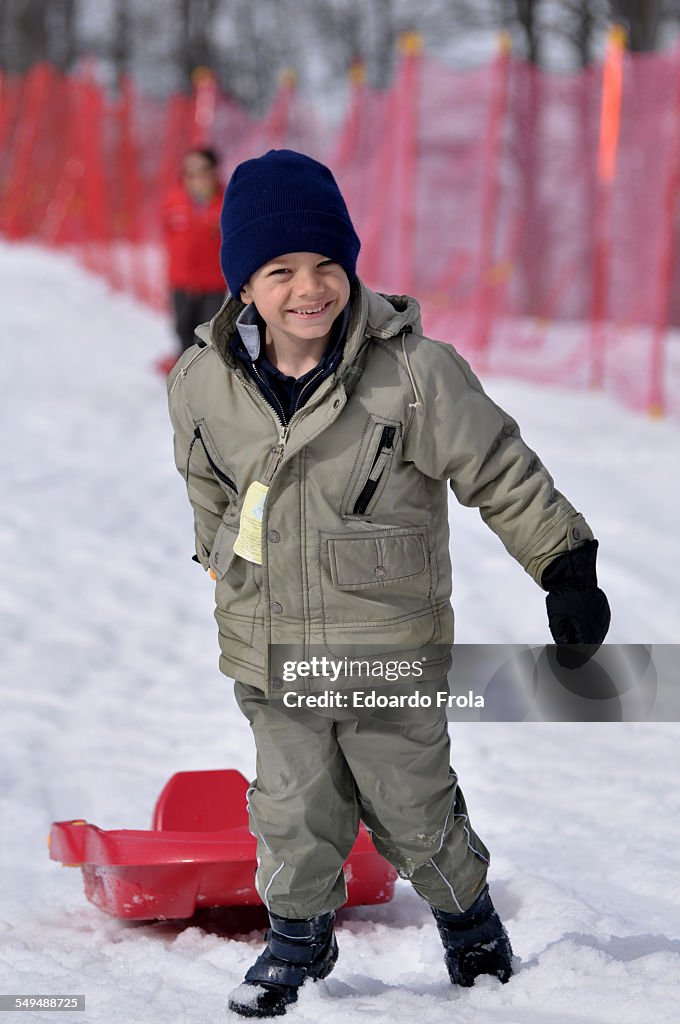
[
  {"x": 284, "y": 427},
  {"x": 278, "y": 450},
  {"x": 215, "y": 468},
  {"x": 282, "y": 417},
  {"x": 383, "y": 454}
]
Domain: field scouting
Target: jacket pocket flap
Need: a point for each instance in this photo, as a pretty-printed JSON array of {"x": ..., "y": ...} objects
[
  {"x": 222, "y": 553},
  {"x": 381, "y": 558}
]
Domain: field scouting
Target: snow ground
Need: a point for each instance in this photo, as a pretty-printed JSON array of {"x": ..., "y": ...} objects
[{"x": 110, "y": 684}]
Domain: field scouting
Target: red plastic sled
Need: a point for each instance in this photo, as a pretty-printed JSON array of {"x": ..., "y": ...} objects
[{"x": 199, "y": 853}]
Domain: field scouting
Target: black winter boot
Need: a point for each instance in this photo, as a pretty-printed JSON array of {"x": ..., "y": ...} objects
[
  {"x": 475, "y": 942},
  {"x": 296, "y": 950}
]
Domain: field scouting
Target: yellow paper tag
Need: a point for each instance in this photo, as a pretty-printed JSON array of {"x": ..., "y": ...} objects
[{"x": 248, "y": 544}]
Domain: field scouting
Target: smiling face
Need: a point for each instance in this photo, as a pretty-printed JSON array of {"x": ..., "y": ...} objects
[{"x": 298, "y": 295}]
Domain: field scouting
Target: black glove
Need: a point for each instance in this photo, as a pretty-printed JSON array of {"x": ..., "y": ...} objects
[{"x": 578, "y": 611}]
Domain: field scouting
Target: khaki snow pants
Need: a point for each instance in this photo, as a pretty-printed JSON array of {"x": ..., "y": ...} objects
[{"x": 317, "y": 776}]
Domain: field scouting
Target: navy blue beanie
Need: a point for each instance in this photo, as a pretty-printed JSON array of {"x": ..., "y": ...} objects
[{"x": 279, "y": 203}]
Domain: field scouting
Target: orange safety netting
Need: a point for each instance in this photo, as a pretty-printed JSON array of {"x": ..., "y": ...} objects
[{"x": 533, "y": 215}]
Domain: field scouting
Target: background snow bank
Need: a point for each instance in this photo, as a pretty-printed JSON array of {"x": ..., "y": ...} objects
[{"x": 110, "y": 684}]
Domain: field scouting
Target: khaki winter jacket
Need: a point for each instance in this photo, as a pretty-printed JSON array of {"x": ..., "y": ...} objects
[{"x": 355, "y": 533}]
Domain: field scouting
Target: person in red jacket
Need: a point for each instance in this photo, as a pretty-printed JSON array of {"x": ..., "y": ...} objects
[{"x": 191, "y": 228}]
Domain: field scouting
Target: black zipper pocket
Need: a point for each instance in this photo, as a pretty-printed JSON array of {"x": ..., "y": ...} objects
[
  {"x": 382, "y": 457},
  {"x": 215, "y": 468}
]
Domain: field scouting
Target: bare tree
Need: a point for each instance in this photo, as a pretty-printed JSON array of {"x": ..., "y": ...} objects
[
  {"x": 61, "y": 33},
  {"x": 24, "y": 33},
  {"x": 521, "y": 18},
  {"x": 35, "y": 30},
  {"x": 385, "y": 30},
  {"x": 580, "y": 24},
  {"x": 341, "y": 22},
  {"x": 195, "y": 40},
  {"x": 122, "y": 38},
  {"x": 573, "y": 29},
  {"x": 250, "y": 44}
]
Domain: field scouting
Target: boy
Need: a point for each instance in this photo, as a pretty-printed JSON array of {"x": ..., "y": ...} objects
[{"x": 317, "y": 430}]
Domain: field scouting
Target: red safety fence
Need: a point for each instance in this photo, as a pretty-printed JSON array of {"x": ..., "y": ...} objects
[{"x": 534, "y": 216}]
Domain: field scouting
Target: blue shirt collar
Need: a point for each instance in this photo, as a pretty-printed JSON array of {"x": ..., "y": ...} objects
[
  {"x": 249, "y": 329},
  {"x": 248, "y": 324}
]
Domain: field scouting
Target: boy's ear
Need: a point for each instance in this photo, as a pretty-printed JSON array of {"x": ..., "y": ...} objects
[{"x": 245, "y": 295}]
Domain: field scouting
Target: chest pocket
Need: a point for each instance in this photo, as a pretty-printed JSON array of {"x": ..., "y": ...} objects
[
  {"x": 395, "y": 556},
  {"x": 371, "y": 467},
  {"x": 377, "y": 585}
]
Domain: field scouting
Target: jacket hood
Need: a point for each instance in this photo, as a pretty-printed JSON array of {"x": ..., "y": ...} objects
[
  {"x": 372, "y": 314},
  {"x": 389, "y": 315}
]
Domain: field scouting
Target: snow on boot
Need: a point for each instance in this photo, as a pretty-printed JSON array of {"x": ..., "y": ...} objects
[
  {"x": 296, "y": 950},
  {"x": 475, "y": 942}
]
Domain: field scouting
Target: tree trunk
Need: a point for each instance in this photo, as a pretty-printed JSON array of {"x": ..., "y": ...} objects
[
  {"x": 526, "y": 16},
  {"x": 641, "y": 18},
  {"x": 26, "y": 36},
  {"x": 122, "y": 38}
]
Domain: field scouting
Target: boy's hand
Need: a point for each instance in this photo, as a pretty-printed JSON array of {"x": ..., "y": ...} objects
[{"x": 578, "y": 611}]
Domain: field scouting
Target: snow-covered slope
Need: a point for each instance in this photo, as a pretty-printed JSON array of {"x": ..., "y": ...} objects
[{"x": 110, "y": 684}]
